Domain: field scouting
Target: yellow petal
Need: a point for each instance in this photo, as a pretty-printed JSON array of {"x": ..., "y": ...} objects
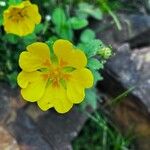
[
  {"x": 26, "y": 27},
  {"x": 37, "y": 57},
  {"x": 39, "y": 49},
  {"x": 80, "y": 79},
  {"x": 28, "y": 62},
  {"x": 34, "y": 90},
  {"x": 73, "y": 57},
  {"x": 21, "y": 28},
  {"x": 84, "y": 77},
  {"x": 45, "y": 102},
  {"x": 11, "y": 28},
  {"x": 24, "y": 78},
  {"x": 56, "y": 97},
  {"x": 34, "y": 14},
  {"x": 75, "y": 92}
]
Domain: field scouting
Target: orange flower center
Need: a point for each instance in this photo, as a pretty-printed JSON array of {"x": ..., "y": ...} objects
[
  {"x": 56, "y": 74},
  {"x": 17, "y": 14}
]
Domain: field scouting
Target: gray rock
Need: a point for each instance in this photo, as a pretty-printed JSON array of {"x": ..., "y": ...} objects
[
  {"x": 10, "y": 101},
  {"x": 135, "y": 30},
  {"x": 132, "y": 114},
  {"x": 132, "y": 69},
  {"x": 59, "y": 130},
  {"x": 34, "y": 129},
  {"x": 27, "y": 133}
]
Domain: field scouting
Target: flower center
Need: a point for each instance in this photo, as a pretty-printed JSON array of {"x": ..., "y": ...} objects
[
  {"x": 56, "y": 75},
  {"x": 17, "y": 15}
]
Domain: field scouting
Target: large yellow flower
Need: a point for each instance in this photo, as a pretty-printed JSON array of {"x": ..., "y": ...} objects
[
  {"x": 21, "y": 19},
  {"x": 55, "y": 79}
]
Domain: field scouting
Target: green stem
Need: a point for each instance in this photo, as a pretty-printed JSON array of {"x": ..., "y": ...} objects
[
  {"x": 112, "y": 14},
  {"x": 46, "y": 25}
]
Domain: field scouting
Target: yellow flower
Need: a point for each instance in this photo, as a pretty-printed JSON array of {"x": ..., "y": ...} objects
[
  {"x": 55, "y": 79},
  {"x": 21, "y": 19}
]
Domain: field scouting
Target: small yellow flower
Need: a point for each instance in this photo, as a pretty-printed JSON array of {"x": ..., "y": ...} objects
[
  {"x": 21, "y": 19},
  {"x": 54, "y": 80}
]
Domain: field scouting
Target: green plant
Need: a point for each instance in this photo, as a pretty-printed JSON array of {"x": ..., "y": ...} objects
[{"x": 99, "y": 134}]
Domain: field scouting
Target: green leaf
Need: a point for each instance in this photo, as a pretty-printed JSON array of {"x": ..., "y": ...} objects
[
  {"x": 87, "y": 35},
  {"x": 84, "y": 10},
  {"x": 90, "y": 99},
  {"x": 95, "y": 64},
  {"x": 11, "y": 38},
  {"x": 14, "y": 2},
  {"x": 59, "y": 17},
  {"x": 1, "y": 19},
  {"x": 77, "y": 23},
  {"x": 51, "y": 40},
  {"x": 39, "y": 28},
  {"x": 12, "y": 77},
  {"x": 62, "y": 27},
  {"x": 96, "y": 13},
  {"x": 64, "y": 33},
  {"x": 30, "y": 39},
  {"x": 91, "y": 48},
  {"x": 97, "y": 76}
]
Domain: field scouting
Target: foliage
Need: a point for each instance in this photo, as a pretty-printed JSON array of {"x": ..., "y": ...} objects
[{"x": 100, "y": 134}]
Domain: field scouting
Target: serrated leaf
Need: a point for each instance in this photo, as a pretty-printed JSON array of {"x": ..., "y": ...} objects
[
  {"x": 91, "y": 48},
  {"x": 59, "y": 17},
  {"x": 77, "y": 23},
  {"x": 94, "y": 64},
  {"x": 87, "y": 35}
]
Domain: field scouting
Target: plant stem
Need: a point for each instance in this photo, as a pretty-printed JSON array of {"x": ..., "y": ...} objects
[{"x": 112, "y": 14}]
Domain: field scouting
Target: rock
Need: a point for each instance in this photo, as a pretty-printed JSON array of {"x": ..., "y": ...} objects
[
  {"x": 34, "y": 129},
  {"x": 27, "y": 134},
  {"x": 133, "y": 120},
  {"x": 10, "y": 100},
  {"x": 135, "y": 30},
  {"x": 59, "y": 130},
  {"x": 7, "y": 142},
  {"x": 130, "y": 69}
]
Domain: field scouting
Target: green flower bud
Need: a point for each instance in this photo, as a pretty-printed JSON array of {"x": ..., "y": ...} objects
[{"x": 105, "y": 52}]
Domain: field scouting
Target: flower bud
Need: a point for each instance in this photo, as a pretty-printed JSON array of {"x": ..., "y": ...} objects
[{"x": 105, "y": 52}]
